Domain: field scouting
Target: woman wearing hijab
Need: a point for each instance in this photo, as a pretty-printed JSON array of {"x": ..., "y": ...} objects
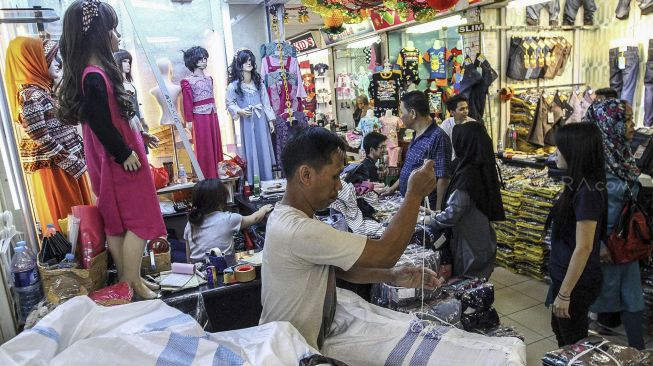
[
  {"x": 51, "y": 152},
  {"x": 471, "y": 202},
  {"x": 621, "y": 290}
]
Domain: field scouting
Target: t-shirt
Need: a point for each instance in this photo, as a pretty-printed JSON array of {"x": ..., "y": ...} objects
[
  {"x": 435, "y": 101},
  {"x": 409, "y": 61},
  {"x": 384, "y": 89},
  {"x": 217, "y": 230},
  {"x": 368, "y": 170},
  {"x": 588, "y": 204},
  {"x": 298, "y": 271},
  {"x": 435, "y": 62},
  {"x": 321, "y": 69}
]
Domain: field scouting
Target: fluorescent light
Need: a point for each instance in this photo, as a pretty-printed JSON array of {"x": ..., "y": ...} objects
[
  {"x": 162, "y": 39},
  {"x": 364, "y": 42},
  {"x": 447, "y": 22},
  {"x": 525, "y": 3}
]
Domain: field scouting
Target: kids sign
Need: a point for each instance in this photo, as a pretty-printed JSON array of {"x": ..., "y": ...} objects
[{"x": 304, "y": 42}]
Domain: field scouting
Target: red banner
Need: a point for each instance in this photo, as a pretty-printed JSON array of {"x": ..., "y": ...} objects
[{"x": 385, "y": 19}]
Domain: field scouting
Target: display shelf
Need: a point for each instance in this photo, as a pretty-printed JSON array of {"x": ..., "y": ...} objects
[{"x": 175, "y": 187}]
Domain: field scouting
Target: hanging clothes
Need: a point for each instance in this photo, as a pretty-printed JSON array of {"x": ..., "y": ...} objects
[
  {"x": 384, "y": 90},
  {"x": 454, "y": 69},
  {"x": 369, "y": 124},
  {"x": 435, "y": 62},
  {"x": 390, "y": 127},
  {"x": 436, "y": 101},
  {"x": 274, "y": 78},
  {"x": 476, "y": 84},
  {"x": 345, "y": 87},
  {"x": 409, "y": 60},
  {"x": 199, "y": 108}
]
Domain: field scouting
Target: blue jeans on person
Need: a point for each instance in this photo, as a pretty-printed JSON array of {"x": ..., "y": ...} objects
[
  {"x": 624, "y": 81},
  {"x": 648, "y": 87}
]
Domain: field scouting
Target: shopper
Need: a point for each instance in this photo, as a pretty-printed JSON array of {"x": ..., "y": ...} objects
[
  {"x": 578, "y": 223},
  {"x": 605, "y": 94},
  {"x": 303, "y": 256},
  {"x": 472, "y": 201},
  {"x": 375, "y": 148},
  {"x": 92, "y": 92},
  {"x": 621, "y": 290},
  {"x": 458, "y": 107},
  {"x": 362, "y": 106},
  {"x": 210, "y": 224},
  {"x": 430, "y": 142}
]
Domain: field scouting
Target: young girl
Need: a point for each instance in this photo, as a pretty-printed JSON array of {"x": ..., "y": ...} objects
[
  {"x": 92, "y": 92},
  {"x": 579, "y": 220},
  {"x": 210, "y": 225}
]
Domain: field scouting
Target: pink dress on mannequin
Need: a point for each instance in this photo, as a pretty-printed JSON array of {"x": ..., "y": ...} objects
[
  {"x": 126, "y": 200},
  {"x": 199, "y": 107}
]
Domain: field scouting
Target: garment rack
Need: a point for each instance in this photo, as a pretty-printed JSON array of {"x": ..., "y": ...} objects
[{"x": 542, "y": 87}]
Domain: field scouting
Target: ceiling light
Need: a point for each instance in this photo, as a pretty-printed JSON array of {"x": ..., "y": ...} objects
[
  {"x": 435, "y": 25},
  {"x": 524, "y": 3},
  {"x": 364, "y": 42}
]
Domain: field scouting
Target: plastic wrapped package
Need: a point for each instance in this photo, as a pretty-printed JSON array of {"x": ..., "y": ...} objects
[
  {"x": 480, "y": 297},
  {"x": 480, "y": 319},
  {"x": 64, "y": 288},
  {"x": 596, "y": 351},
  {"x": 504, "y": 331},
  {"x": 118, "y": 294},
  {"x": 42, "y": 309}
]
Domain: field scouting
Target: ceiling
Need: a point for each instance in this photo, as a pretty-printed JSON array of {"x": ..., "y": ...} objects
[{"x": 294, "y": 28}]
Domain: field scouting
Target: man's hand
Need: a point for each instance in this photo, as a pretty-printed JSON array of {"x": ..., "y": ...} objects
[
  {"x": 387, "y": 191},
  {"x": 422, "y": 181},
  {"x": 411, "y": 277}
]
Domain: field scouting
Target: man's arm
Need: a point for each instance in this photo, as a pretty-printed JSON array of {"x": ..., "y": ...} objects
[
  {"x": 404, "y": 276},
  {"x": 385, "y": 252},
  {"x": 442, "y": 184}
]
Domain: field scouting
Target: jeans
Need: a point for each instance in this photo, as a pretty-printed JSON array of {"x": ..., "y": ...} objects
[
  {"x": 571, "y": 10},
  {"x": 623, "y": 8},
  {"x": 648, "y": 87},
  {"x": 533, "y": 12},
  {"x": 624, "y": 81},
  {"x": 516, "y": 65}
]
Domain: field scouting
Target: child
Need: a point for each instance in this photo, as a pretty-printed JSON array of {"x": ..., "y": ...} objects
[
  {"x": 92, "y": 92},
  {"x": 210, "y": 225}
]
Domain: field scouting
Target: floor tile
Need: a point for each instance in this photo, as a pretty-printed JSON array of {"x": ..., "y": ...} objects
[
  {"x": 508, "y": 301},
  {"x": 537, "y": 318},
  {"x": 535, "y": 351},
  {"x": 497, "y": 285},
  {"x": 505, "y": 277},
  {"x": 530, "y": 336},
  {"x": 533, "y": 288}
]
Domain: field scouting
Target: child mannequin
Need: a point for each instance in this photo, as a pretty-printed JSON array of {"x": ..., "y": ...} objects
[{"x": 115, "y": 152}]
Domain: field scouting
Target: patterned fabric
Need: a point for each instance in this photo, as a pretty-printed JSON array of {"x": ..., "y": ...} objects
[
  {"x": 197, "y": 92},
  {"x": 271, "y": 49},
  {"x": 273, "y": 78},
  {"x": 610, "y": 117},
  {"x": 49, "y": 142},
  {"x": 50, "y": 49},
  {"x": 90, "y": 10}
]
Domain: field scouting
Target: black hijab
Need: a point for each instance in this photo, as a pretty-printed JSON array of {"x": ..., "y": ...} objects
[{"x": 476, "y": 171}]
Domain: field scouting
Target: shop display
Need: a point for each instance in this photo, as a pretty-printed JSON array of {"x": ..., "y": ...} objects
[
  {"x": 648, "y": 86},
  {"x": 580, "y": 101},
  {"x": 409, "y": 60},
  {"x": 390, "y": 126},
  {"x": 571, "y": 10},
  {"x": 345, "y": 91},
  {"x": 537, "y": 57},
  {"x": 248, "y": 102},
  {"x": 435, "y": 60},
  {"x": 51, "y": 152},
  {"x": 533, "y": 12},
  {"x": 596, "y": 351},
  {"x": 200, "y": 109},
  {"x": 623, "y": 8},
  {"x": 384, "y": 90},
  {"x": 455, "y": 61},
  {"x": 362, "y": 80},
  {"x": 479, "y": 75},
  {"x": 624, "y": 71},
  {"x": 435, "y": 95},
  {"x": 174, "y": 90}
]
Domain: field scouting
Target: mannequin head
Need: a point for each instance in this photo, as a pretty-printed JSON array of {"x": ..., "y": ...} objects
[
  {"x": 164, "y": 67},
  {"x": 124, "y": 62},
  {"x": 244, "y": 62},
  {"x": 196, "y": 58},
  {"x": 52, "y": 58}
]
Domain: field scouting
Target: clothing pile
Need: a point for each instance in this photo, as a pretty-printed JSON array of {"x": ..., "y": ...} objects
[
  {"x": 522, "y": 243},
  {"x": 596, "y": 351},
  {"x": 347, "y": 204},
  {"x": 538, "y": 57}
]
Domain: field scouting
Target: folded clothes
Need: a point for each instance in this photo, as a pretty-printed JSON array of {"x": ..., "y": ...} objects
[{"x": 596, "y": 351}]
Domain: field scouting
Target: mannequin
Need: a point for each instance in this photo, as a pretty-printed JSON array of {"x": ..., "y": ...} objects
[
  {"x": 51, "y": 152},
  {"x": 437, "y": 44},
  {"x": 390, "y": 125},
  {"x": 459, "y": 44},
  {"x": 248, "y": 102},
  {"x": 388, "y": 113},
  {"x": 409, "y": 59},
  {"x": 411, "y": 87},
  {"x": 199, "y": 107},
  {"x": 165, "y": 69},
  {"x": 410, "y": 45},
  {"x": 124, "y": 61}
]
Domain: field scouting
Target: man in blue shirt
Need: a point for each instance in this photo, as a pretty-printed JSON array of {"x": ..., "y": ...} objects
[{"x": 429, "y": 142}]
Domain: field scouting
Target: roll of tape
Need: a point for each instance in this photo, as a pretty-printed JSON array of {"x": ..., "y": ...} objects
[
  {"x": 183, "y": 268},
  {"x": 245, "y": 273}
]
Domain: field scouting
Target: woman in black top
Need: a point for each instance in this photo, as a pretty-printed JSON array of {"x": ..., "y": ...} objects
[
  {"x": 362, "y": 105},
  {"x": 579, "y": 219}
]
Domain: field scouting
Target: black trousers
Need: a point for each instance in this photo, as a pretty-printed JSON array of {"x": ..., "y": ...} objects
[{"x": 571, "y": 330}]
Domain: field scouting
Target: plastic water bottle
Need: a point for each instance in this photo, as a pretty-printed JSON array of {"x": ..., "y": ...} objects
[
  {"x": 27, "y": 249},
  {"x": 182, "y": 174},
  {"x": 87, "y": 251},
  {"x": 25, "y": 278},
  {"x": 68, "y": 262},
  {"x": 50, "y": 230},
  {"x": 257, "y": 185}
]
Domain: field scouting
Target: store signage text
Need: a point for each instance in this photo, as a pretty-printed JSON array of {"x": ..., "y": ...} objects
[
  {"x": 471, "y": 28},
  {"x": 351, "y": 30},
  {"x": 383, "y": 19},
  {"x": 304, "y": 42}
]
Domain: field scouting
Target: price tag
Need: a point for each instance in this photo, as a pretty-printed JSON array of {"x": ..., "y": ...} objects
[
  {"x": 640, "y": 152},
  {"x": 406, "y": 293},
  {"x": 623, "y": 49},
  {"x": 550, "y": 118},
  {"x": 621, "y": 62}
]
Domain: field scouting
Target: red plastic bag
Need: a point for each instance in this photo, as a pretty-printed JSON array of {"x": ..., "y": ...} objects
[
  {"x": 91, "y": 232},
  {"x": 118, "y": 294},
  {"x": 160, "y": 176}
]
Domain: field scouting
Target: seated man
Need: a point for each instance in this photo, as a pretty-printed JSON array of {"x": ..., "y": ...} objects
[
  {"x": 374, "y": 146},
  {"x": 303, "y": 256}
]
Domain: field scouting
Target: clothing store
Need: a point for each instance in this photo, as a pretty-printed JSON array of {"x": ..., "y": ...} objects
[{"x": 172, "y": 176}]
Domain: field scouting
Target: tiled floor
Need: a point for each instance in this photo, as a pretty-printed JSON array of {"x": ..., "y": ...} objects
[{"x": 520, "y": 303}]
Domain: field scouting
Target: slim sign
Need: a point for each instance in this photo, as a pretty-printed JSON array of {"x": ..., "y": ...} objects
[
  {"x": 471, "y": 28},
  {"x": 304, "y": 42}
]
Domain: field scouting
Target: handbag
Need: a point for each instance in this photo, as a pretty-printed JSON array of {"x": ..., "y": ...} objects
[
  {"x": 630, "y": 239},
  {"x": 91, "y": 231},
  {"x": 160, "y": 176}
]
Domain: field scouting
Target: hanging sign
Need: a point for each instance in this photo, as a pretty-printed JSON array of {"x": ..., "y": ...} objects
[
  {"x": 471, "y": 28},
  {"x": 304, "y": 42},
  {"x": 383, "y": 19},
  {"x": 351, "y": 30}
]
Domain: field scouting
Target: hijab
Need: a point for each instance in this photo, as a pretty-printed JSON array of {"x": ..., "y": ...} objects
[
  {"x": 27, "y": 65},
  {"x": 476, "y": 171},
  {"x": 610, "y": 116}
]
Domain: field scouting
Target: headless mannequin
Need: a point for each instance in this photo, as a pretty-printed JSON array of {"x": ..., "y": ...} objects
[
  {"x": 433, "y": 86},
  {"x": 388, "y": 113},
  {"x": 410, "y": 45},
  {"x": 370, "y": 113},
  {"x": 411, "y": 87},
  {"x": 437, "y": 44},
  {"x": 459, "y": 44},
  {"x": 173, "y": 89},
  {"x": 127, "y": 249},
  {"x": 387, "y": 66}
]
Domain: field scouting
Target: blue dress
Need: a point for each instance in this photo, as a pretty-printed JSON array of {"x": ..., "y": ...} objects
[
  {"x": 621, "y": 289},
  {"x": 254, "y": 131}
]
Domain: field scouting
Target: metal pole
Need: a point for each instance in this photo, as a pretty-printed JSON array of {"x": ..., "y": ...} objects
[{"x": 170, "y": 104}]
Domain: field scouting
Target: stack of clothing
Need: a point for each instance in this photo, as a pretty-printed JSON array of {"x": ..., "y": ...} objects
[
  {"x": 647, "y": 288},
  {"x": 596, "y": 351},
  {"x": 522, "y": 115},
  {"x": 523, "y": 245}
]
